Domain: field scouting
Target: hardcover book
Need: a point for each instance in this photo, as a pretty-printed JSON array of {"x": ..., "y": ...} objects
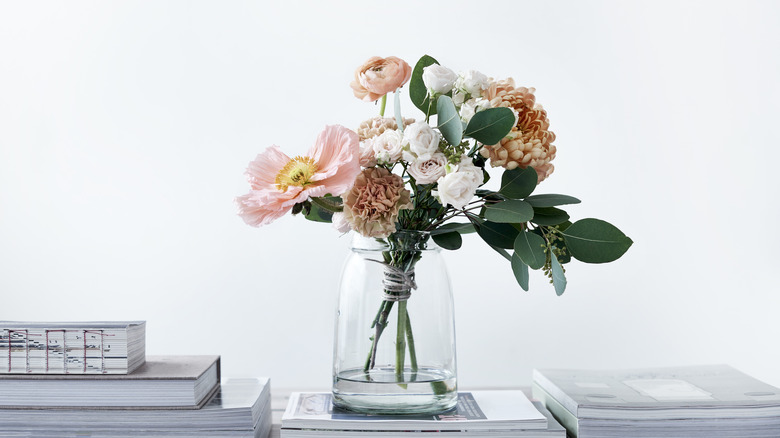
[{"x": 183, "y": 382}]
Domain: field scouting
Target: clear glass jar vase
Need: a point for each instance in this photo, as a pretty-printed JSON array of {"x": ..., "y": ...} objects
[{"x": 394, "y": 346}]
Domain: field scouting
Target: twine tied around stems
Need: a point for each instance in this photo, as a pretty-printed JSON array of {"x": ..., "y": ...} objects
[{"x": 398, "y": 283}]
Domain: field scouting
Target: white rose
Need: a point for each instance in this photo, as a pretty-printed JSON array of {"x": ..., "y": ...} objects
[
  {"x": 428, "y": 171},
  {"x": 456, "y": 189},
  {"x": 466, "y": 165},
  {"x": 420, "y": 142},
  {"x": 387, "y": 147},
  {"x": 367, "y": 156},
  {"x": 438, "y": 79},
  {"x": 340, "y": 223},
  {"x": 472, "y": 106},
  {"x": 472, "y": 82},
  {"x": 458, "y": 97}
]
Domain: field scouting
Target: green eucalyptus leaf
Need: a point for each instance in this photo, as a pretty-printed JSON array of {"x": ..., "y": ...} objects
[
  {"x": 530, "y": 248},
  {"x": 549, "y": 216},
  {"x": 449, "y": 121},
  {"x": 498, "y": 235},
  {"x": 518, "y": 183},
  {"x": 454, "y": 226},
  {"x": 450, "y": 240},
  {"x": 595, "y": 241},
  {"x": 509, "y": 212},
  {"x": 503, "y": 252},
  {"x": 558, "y": 277},
  {"x": 489, "y": 126},
  {"x": 551, "y": 200},
  {"x": 417, "y": 91},
  {"x": 520, "y": 269},
  {"x": 318, "y": 214}
]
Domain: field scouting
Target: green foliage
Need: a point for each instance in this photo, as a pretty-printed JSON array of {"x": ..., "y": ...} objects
[
  {"x": 489, "y": 126},
  {"x": 549, "y": 216},
  {"x": 518, "y": 183},
  {"x": 316, "y": 213},
  {"x": 449, "y": 120},
  {"x": 551, "y": 200},
  {"x": 558, "y": 277},
  {"x": 453, "y": 226},
  {"x": 417, "y": 91},
  {"x": 596, "y": 241},
  {"x": 448, "y": 240},
  {"x": 520, "y": 270},
  {"x": 529, "y": 247},
  {"x": 498, "y": 235},
  {"x": 503, "y": 252},
  {"x": 509, "y": 212}
]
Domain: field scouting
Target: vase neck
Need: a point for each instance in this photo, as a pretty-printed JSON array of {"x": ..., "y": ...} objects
[{"x": 403, "y": 240}]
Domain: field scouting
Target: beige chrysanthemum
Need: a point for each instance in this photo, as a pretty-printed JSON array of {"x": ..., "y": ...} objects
[
  {"x": 371, "y": 207},
  {"x": 374, "y": 127},
  {"x": 530, "y": 141}
]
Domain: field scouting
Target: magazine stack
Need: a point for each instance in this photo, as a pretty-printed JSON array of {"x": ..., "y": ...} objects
[
  {"x": 87, "y": 380},
  {"x": 684, "y": 402}
]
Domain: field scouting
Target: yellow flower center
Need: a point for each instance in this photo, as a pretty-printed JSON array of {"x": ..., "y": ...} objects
[{"x": 297, "y": 172}]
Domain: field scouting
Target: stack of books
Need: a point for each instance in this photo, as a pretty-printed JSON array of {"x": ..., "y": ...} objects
[
  {"x": 163, "y": 396},
  {"x": 478, "y": 414},
  {"x": 684, "y": 402}
]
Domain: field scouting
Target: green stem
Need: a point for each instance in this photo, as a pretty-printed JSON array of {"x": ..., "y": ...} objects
[
  {"x": 410, "y": 343},
  {"x": 400, "y": 342},
  {"x": 382, "y": 106},
  {"x": 379, "y": 326}
]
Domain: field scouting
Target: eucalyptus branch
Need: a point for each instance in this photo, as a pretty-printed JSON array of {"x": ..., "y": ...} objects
[
  {"x": 325, "y": 205},
  {"x": 453, "y": 215}
]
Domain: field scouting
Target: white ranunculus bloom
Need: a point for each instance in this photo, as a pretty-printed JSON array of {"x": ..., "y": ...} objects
[
  {"x": 388, "y": 147},
  {"x": 428, "y": 171},
  {"x": 458, "y": 188},
  {"x": 438, "y": 79},
  {"x": 472, "y": 82},
  {"x": 471, "y": 107},
  {"x": 420, "y": 142}
]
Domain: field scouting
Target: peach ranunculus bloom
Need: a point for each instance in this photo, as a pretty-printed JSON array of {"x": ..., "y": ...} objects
[
  {"x": 278, "y": 182},
  {"x": 379, "y": 76}
]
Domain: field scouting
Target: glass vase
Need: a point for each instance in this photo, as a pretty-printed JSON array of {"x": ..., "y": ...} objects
[{"x": 394, "y": 346}]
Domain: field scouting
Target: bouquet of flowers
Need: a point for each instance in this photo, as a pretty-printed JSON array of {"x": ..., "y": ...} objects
[{"x": 423, "y": 174}]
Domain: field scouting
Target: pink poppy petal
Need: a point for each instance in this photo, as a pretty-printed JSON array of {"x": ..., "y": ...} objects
[
  {"x": 257, "y": 214},
  {"x": 337, "y": 154},
  {"x": 263, "y": 170}
]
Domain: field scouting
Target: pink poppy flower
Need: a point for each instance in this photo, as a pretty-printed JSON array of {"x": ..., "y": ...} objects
[
  {"x": 379, "y": 76},
  {"x": 279, "y": 182}
]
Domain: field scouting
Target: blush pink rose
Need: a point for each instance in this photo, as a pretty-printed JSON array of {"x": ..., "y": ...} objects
[
  {"x": 379, "y": 76},
  {"x": 278, "y": 182}
]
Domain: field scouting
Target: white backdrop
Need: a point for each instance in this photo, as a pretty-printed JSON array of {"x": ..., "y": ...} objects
[{"x": 125, "y": 129}]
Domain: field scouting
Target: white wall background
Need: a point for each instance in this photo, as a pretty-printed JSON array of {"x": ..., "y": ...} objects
[{"x": 125, "y": 129}]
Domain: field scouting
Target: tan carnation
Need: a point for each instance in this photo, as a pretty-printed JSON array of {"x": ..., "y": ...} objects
[
  {"x": 530, "y": 141},
  {"x": 371, "y": 207},
  {"x": 374, "y": 127}
]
